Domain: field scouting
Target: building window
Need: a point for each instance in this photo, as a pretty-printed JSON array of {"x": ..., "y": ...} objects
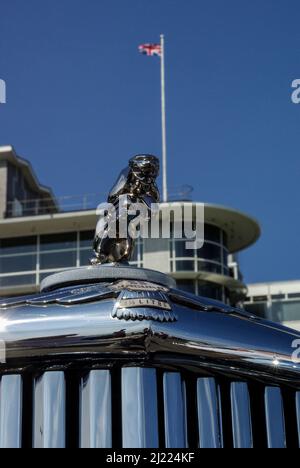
[
  {"x": 17, "y": 280},
  {"x": 181, "y": 251},
  {"x": 210, "y": 290},
  {"x": 210, "y": 267},
  {"x": 212, "y": 257},
  {"x": 17, "y": 263},
  {"x": 187, "y": 286},
  {"x": 57, "y": 259},
  {"x": 58, "y": 242},
  {"x": 86, "y": 239},
  {"x": 58, "y": 251},
  {"x": 286, "y": 311},
  {"x": 260, "y": 299},
  {"x": 260, "y": 310},
  {"x": 212, "y": 233},
  {"x": 185, "y": 265},
  {"x": 138, "y": 255},
  {"x": 18, "y": 255},
  {"x": 20, "y": 245}
]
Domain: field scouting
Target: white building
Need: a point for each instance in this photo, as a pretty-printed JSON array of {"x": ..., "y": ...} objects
[
  {"x": 277, "y": 301},
  {"x": 40, "y": 236}
]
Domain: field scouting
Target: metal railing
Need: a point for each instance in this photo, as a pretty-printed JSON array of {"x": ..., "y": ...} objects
[{"x": 72, "y": 203}]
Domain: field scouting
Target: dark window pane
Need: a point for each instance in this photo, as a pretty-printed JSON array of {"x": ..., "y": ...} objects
[
  {"x": 134, "y": 257},
  {"x": 185, "y": 265},
  {"x": 278, "y": 297},
  {"x": 225, "y": 257},
  {"x": 260, "y": 310},
  {"x": 212, "y": 291},
  {"x": 260, "y": 298},
  {"x": 62, "y": 259},
  {"x": 58, "y": 241},
  {"x": 212, "y": 233},
  {"x": 141, "y": 247},
  {"x": 18, "y": 246},
  {"x": 85, "y": 257},
  {"x": 286, "y": 311},
  {"x": 292, "y": 296},
  {"x": 225, "y": 239},
  {"x": 210, "y": 252},
  {"x": 210, "y": 267},
  {"x": 22, "y": 280},
  {"x": 186, "y": 285},
  {"x": 18, "y": 263},
  {"x": 86, "y": 238},
  {"x": 181, "y": 251}
]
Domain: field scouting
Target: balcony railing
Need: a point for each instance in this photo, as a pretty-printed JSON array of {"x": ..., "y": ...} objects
[{"x": 70, "y": 203}]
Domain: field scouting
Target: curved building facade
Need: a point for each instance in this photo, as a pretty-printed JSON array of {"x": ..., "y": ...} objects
[
  {"x": 213, "y": 270},
  {"x": 35, "y": 243}
]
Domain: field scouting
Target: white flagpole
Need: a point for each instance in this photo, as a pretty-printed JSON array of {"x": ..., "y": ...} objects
[{"x": 163, "y": 115}]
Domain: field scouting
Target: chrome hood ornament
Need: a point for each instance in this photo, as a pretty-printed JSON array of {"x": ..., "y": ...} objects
[{"x": 136, "y": 185}]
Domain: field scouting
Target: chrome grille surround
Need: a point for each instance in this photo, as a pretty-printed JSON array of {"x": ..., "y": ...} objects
[{"x": 75, "y": 376}]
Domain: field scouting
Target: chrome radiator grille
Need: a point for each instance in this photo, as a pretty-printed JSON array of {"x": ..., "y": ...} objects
[{"x": 136, "y": 407}]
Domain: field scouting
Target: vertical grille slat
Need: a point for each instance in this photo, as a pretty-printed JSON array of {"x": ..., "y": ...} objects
[
  {"x": 50, "y": 411},
  {"x": 174, "y": 408},
  {"x": 95, "y": 410},
  {"x": 241, "y": 416},
  {"x": 275, "y": 418},
  {"x": 209, "y": 417},
  {"x": 11, "y": 411},
  {"x": 145, "y": 407},
  {"x": 139, "y": 408}
]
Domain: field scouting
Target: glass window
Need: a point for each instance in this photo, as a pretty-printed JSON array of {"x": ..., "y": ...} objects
[
  {"x": 22, "y": 280},
  {"x": 135, "y": 255},
  {"x": 18, "y": 245},
  {"x": 210, "y": 267},
  {"x": 49, "y": 261},
  {"x": 210, "y": 252},
  {"x": 212, "y": 233},
  {"x": 260, "y": 298},
  {"x": 187, "y": 286},
  {"x": 85, "y": 257},
  {"x": 225, "y": 239},
  {"x": 286, "y": 311},
  {"x": 86, "y": 239},
  {"x": 17, "y": 263},
  {"x": 58, "y": 241},
  {"x": 181, "y": 251},
  {"x": 293, "y": 296},
  {"x": 225, "y": 258},
  {"x": 278, "y": 297},
  {"x": 185, "y": 265},
  {"x": 212, "y": 291},
  {"x": 260, "y": 310}
]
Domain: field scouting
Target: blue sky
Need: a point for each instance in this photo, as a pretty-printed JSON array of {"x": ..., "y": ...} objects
[{"x": 81, "y": 100}]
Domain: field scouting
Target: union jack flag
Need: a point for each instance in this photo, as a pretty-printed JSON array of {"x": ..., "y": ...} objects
[{"x": 151, "y": 50}]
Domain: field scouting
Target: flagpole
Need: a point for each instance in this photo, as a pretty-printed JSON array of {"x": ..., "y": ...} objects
[{"x": 163, "y": 119}]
